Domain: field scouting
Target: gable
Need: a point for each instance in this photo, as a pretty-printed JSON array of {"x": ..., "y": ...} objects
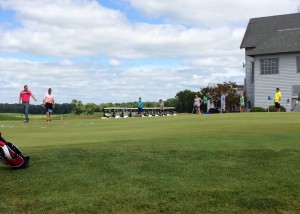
[{"x": 274, "y": 34}]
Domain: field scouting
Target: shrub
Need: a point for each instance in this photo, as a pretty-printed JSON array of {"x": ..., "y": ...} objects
[
  {"x": 273, "y": 109},
  {"x": 257, "y": 109},
  {"x": 213, "y": 111}
]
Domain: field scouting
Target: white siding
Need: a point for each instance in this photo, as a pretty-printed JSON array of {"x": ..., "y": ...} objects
[{"x": 265, "y": 85}]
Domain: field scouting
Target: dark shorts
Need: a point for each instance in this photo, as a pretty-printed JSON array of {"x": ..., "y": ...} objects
[
  {"x": 140, "y": 109},
  {"x": 49, "y": 107},
  {"x": 277, "y": 105}
]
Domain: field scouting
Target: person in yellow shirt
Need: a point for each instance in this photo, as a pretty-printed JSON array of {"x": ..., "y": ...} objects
[{"x": 277, "y": 99}]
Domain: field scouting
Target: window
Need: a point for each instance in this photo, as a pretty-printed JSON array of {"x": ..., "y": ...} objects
[
  {"x": 269, "y": 66},
  {"x": 298, "y": 64}
]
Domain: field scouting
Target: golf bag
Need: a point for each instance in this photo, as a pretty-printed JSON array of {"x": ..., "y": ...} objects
[{"x": 11, "y": 155}]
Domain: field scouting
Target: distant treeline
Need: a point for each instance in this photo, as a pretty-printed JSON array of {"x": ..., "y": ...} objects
[
  {"x": 77, "y": 107},
  {"x": 91, "y": 108},
  {"x": 65, "y": 108}
]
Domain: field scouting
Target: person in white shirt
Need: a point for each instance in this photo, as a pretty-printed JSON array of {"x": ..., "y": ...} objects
[
  {"x": 223, "y": 103},
  {"x": 197, "y": 104},
  {"x": 48, "y": 103}
]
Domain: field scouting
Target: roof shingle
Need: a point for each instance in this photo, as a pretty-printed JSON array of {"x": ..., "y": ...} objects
[{"x": 274, "y": 34}]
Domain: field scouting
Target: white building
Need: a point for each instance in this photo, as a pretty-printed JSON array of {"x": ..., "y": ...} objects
[{"x": 272, "y": 52}]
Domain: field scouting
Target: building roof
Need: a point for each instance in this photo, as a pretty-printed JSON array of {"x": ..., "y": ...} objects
[{"x": 273, "y": 34}]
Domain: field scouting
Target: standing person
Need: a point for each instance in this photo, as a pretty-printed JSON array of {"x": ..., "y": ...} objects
[
  {"x": 162, "y": 106},
  {"x": 204, "y": 105},
  {"x": 242, "y": 102},
  {"x": 197, "y": 103},
  {"x": 277, "y": 99},
  {"x": 223, "y": 103},
  {"x": 297, "y": 103},
  {"x": 140, "y": 107},
  {"x": 24, "y": 99},
  {"x": 48, "y": 102}
]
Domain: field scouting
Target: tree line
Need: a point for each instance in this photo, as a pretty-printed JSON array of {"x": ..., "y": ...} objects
[
  {"x": 64, "y": 108},
  {"x": 183, "y": 102}
]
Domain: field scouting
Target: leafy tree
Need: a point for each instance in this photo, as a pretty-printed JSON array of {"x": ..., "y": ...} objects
[
  {"x": 185, "y": 100},
  {"x": 64, "y": 108},
  {"x": 214, "y": 93},
  {"x": 102, "y": 106},
  {"x": 171, "y": 102},
  {"x": 78, "y": 107},
  {"x": 90, "y": 108}
]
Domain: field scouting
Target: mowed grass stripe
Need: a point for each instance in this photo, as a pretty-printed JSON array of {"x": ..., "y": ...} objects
[
  {"x": 229, "y": 163},
  {"x": 225, "y": 127}
]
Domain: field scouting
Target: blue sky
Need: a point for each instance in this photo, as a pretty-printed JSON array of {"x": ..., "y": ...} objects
[{"x": 119, "y": 50}]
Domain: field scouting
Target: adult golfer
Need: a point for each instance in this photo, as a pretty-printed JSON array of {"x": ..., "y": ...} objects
[
  {"x": 24, "y": 99},
  {"x": 277, "y": 98},
  {"x": 48, "y": 102}
]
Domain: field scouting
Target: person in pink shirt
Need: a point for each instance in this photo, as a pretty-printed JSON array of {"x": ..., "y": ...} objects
[
  {"x": 25, "y": 99},
  {"x": 48, "y": 102}
]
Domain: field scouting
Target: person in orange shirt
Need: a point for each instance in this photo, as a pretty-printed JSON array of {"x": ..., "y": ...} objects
[{"x": 48, "y": 103}]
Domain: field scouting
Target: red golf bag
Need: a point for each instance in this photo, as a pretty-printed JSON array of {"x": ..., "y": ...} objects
[{"x": 11, "y": 155}]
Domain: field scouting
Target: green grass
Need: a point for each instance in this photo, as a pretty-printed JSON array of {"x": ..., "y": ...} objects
[
  {"x": 15, "y": 116},
  {"x": 225, "y": 163}
]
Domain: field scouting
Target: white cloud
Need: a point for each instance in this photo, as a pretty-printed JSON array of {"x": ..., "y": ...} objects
[
  {"x": 86, "y": 51},
  {"x": 215, "y": 62},
  {"x": 214, "y": 12},
  {"x": 75, "y": 81},
  {"x": 88, "y": 29},
  {"x": 115, "y": 62}
]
